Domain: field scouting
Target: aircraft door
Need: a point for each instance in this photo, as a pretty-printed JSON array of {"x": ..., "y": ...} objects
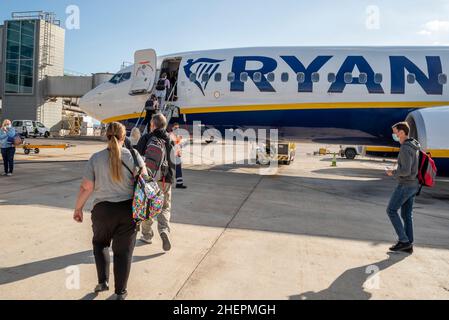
[{"x": 144, "y": 74}]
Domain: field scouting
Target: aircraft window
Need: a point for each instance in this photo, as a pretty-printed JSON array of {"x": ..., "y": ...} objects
[
  {"x": 378, "y": 78},
  {"x": 363, "y": 78},
  {"x": 331, "y": 77},
  {"x": 315, "y": 77},
  {"x": 244, "y": 76},
  {"x": 231, "y": 76},
  {"x": 116, "y": 78},
  {"x": 126, "y": 76},
  {"x": 442, "y": 78},
  {"x": 301, "y": 77},
  {"x": 348, "y": 77},
  {"x": 411, "y": 78},
  {"x": 257, "y": 77},
  {"x": 271, "y": 77},
  {"x": 192, "y": 77},
  {"x": 284, "y": 77},
  {"x": 218, "y": 77},
  {"x": 205, "y": 77}
]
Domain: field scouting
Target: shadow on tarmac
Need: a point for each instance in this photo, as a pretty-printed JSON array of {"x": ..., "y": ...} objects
[
  {"x": 350, "y": 284},
  {"x": 29, "y": 270}
]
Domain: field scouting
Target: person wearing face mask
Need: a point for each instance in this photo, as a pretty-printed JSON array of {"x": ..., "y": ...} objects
[
  {"x": 7, "y": 134},
  {"x": 404, "y": 195}
]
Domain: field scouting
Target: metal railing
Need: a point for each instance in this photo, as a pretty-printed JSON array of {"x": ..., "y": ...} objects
[{"x": 40, "y": 15}]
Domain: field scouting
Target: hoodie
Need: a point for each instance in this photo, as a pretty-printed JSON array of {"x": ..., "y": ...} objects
[{"x": 408, "y": 163}]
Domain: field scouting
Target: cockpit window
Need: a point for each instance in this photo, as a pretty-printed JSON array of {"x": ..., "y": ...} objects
[
  {"x": 116, "y": 78},
  {"x": 120, "y": 77},
  {"x": 126, "y": 76}
]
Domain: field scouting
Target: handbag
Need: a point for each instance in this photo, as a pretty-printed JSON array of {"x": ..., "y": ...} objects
[
  {"x": 15, "y": 140},
  {"x": 148, "y": 199}
]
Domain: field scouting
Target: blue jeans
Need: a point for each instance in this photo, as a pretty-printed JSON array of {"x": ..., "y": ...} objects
[
  {"x": 8, "y": 159},
  {"x": 403, "y": 198}
]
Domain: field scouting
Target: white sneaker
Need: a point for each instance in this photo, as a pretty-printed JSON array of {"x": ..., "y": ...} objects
[
  {"x": 145, "y": 240},
  {"x": 9, "y": 174}
]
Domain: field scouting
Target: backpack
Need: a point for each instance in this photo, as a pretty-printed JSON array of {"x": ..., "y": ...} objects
[
  {"x": 160, "y": 86},
  {"x": 156, "y": 158},
  {"x": 148, "y": 199},
  {"x": 427, "y": 171}
]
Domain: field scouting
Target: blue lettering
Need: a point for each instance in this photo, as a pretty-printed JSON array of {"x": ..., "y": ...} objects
[
  {"x": 297, "y": 67},
  {"x": 399, "y": 64},
  {"x": 239, "y": 66},
  {"x": 348, "y": 67}
]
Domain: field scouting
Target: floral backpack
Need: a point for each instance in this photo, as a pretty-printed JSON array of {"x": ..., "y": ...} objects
[{"x": 148, "y": 197}]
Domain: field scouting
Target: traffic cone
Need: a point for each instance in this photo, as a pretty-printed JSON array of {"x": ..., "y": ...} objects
[{"x": 334, "y": 160}]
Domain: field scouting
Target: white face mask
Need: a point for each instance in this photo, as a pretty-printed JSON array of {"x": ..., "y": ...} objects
[{"x": 396, "y": 138}]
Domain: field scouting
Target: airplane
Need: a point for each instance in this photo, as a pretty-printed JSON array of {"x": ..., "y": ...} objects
[{"x": 341, "y": 95}]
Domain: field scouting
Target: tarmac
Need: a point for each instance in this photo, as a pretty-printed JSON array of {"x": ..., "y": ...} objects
[{"x": 310, "y": 231}]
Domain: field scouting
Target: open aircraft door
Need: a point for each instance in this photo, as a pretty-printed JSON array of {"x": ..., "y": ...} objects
[{"x": 144, "y": 74}]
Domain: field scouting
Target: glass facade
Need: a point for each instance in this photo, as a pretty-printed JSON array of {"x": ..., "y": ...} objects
[{"x": 20, "y": 51}]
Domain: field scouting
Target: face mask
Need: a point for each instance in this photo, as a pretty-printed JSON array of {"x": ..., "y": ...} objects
[{"x": 396, "y": 138}]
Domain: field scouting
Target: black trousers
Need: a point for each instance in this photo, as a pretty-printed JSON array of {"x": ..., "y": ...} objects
[
  {"x": 8, "y": 159},
  {"x": 113, "y": 222}
]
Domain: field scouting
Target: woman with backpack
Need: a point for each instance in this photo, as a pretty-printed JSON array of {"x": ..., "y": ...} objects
[
  {"x": 7, "y": 136},
  {"x": 108, "y": 177}
]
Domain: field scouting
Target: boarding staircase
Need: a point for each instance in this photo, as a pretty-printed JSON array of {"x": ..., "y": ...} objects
[{"x": 169, "y": 109}]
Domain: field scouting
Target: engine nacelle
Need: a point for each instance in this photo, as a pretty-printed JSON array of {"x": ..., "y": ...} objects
[{"x": 431, "y": 128}]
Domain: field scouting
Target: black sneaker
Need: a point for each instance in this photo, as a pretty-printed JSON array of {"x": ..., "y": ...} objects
[
  {"x": 121, "y": 296},
  {"x": 181, "y": 186},
  {"x": 166, "y": 245},
  {"x": 402, "y": 246},
  {"x": 409, "y": 251},
  {"x": 101, "y": 287}
]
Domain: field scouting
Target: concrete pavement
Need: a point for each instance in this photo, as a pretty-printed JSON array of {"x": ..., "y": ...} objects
[{"x": 309, "y": 232}]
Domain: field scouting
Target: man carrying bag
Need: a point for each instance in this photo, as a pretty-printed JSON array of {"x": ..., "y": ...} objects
[{"x": 156, "y": 147}]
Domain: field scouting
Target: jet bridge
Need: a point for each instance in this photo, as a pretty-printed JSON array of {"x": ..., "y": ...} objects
[{"x": 73, "y": 86}]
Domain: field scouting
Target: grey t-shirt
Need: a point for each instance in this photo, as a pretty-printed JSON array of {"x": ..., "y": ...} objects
[{"x": 98, "y": 171}]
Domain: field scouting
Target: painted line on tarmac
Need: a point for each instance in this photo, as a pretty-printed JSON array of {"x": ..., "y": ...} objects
[{"x": 237, "y": 211}]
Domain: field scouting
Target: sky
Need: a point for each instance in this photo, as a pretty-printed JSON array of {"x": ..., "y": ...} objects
[{"x": 110, "y": 31}]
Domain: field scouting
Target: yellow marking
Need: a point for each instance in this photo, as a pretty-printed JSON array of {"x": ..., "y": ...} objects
[
  {"x": 297, "y": 106},
  {"x": 435, "y": 153},
  {"x": 381, "y": 149},
  {"x": 124, "y": 117},
  {"x": 316, "y": 106}
]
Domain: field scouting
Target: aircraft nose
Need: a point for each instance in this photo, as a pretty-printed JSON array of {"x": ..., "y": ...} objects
[{"x": 91, "y": 102}]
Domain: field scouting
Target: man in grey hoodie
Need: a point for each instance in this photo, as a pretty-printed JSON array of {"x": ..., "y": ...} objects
[{"x": 403, "y": 196}]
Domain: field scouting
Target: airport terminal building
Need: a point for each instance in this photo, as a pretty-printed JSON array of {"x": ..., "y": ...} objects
[
  {"x": 33, "y": 84},
  {"x": 31, "y": 49}
]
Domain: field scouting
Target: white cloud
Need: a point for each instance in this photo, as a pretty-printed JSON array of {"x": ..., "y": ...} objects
[
  {"x": 424, "y": 33},
  {"x": 435, "y": 27}
]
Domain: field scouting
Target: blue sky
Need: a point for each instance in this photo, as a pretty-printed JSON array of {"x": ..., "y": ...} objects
[{"x": 111, "y": 30}]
